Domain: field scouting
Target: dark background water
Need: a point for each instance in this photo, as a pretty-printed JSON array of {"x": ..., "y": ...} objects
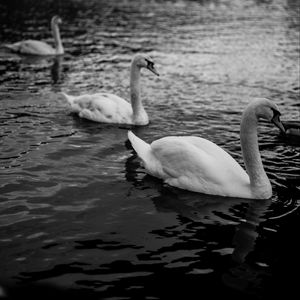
[{"x": 79, "y": 216}]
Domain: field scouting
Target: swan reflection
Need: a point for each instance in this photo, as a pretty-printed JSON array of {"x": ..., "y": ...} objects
[
  {"x": 56, "y": 69},
  {"x": 246, "y": 276},
  {"x": 54, "y": 63},
  {"x": 244, "y": 215},
  {"x": 246, "y": 234},
  {"x": 198, "y": 207}
]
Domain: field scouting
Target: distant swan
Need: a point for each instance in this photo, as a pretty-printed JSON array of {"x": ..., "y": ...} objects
[
  {"x": 34, "y": 47},
  {"x": 292, "y": 128},
  {"x": 196, "y": 164},
  {"x": 109, "y": 108}
]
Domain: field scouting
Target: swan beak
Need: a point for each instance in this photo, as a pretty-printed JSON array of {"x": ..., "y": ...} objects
[
  {"x": 276, "y": 121},
  {"x": 152, "y": 69}
]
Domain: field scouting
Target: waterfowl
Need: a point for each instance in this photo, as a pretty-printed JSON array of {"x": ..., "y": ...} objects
[
  {"x": 109, "y": 108},
  {"x": 292, "y": 128},
  {"x": 34, "y": 47},
  {"x": 197, "y": 164}
]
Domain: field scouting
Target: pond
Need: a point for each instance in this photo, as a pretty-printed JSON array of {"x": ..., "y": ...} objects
[{"x": 80, "y": 217}]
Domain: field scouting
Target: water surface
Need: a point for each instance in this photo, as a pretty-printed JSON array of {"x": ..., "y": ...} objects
[{"x": 77, "y": 211}]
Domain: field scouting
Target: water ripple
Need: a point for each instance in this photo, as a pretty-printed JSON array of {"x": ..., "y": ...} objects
[{"x": 78, "y": 210}]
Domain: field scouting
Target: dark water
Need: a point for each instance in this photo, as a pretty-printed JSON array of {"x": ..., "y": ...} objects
[{"x": 78, "y": 215}]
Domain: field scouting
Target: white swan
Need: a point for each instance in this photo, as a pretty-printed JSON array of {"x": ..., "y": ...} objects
[
  {"x": 196, "y": 164},
  {"x": 34, "y": 47},
  {"x": 109, "y": 108}
]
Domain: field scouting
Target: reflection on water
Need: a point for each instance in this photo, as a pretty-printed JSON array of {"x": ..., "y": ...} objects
[
  {"x": 56, "y": 69},
  {"x": 248, "y": 277},
  {"x": 78, "y": 212},
  {"x": 200, "y": 207},
  {"x": 246, "y": 233}
]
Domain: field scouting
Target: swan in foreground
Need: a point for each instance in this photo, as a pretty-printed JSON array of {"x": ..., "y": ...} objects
[
  {"x": 109, "y": 108},
  {"x": 34, "y": 47},
  {"x": 198, "y": 165}
]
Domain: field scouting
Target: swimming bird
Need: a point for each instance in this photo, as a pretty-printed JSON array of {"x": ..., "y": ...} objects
[
  {"x": 292, "y": 128},
  {"x": 197, "y": 164},
  {"x": 110, "y": 108},
  {"x": 34, "y": 47}
]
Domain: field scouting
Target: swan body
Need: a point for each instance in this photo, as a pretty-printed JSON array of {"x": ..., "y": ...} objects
[
  {"x": 292, "y": 128},
  {"x": 103, "y": 108},
  {"x": 199, "y": 165},
  {"x": 34, "y": 47},
  {"x": 192, "y": 163},
  {"x": 109, "y": 108}
]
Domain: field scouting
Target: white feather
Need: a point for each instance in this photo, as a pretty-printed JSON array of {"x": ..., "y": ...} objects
[
  {"x": 101, "y": 107},
  {"x": 32, "y": 47},
  {"x": 109, "y": 108},
  {"x": 192, "y": 163},
  {"x": 199, "y": 165}
]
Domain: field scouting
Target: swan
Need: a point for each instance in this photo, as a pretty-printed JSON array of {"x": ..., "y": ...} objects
[
  {"x": 109, "y": 108},
  {"x": 198, "y": 165},
  {"x": 292, "y": 128},
  {"x": 34, "y": 47}
]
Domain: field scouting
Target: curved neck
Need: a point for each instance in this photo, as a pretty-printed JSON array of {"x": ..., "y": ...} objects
[
  {"x": 259, "y": 182},
  {"x": 136, "y": 102},
  {"x": 57, "y": 40}
]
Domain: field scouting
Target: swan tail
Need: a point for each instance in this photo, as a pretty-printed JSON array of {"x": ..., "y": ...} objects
[
  {"x": 69, "y": 98},
  {"x": 141, "y": 148}
]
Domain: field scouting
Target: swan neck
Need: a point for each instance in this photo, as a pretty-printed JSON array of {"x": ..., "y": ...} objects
[
  {"x": 136, "y": 102},
  {"x": 57, "y": 40},
  {"x": 259, "y": 182}
]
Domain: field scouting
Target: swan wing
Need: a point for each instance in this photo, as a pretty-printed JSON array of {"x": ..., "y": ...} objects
[
  {"x": 32, "y": 47},
  {"x": 101, "y": 107},
  {"x": 196, "y": 164}
]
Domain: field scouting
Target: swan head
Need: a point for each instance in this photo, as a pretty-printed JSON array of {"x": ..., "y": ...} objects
[
  {"x": 145, "y": 61},
  {"x": 267, "y": 110},
  {"x": 56, "y": 20}
]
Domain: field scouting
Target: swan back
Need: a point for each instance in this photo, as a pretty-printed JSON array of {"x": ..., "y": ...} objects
[
  {"x": 101, "y": 107},
  {"x": 199, "y": 165},
  {"x": 32, "y": 47},
  {"x": 192, "y": 163}
]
